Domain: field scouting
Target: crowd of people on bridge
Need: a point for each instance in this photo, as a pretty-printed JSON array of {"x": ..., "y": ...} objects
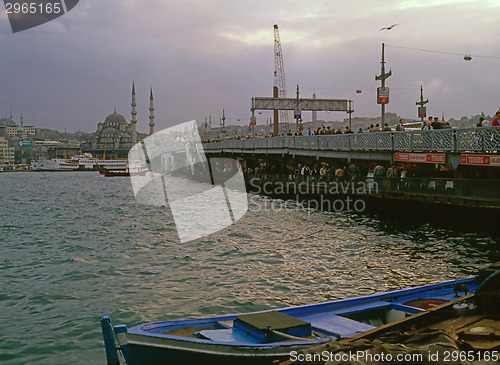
[
  {"x": 304, "y": 172},
  {"x": 400, "y": 176},
  {"x": 330, "y": 172},
  {"x": 432, "y": 123}
]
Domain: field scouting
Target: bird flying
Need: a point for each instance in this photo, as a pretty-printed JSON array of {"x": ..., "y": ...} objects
[{"x": 389, "y": 27}]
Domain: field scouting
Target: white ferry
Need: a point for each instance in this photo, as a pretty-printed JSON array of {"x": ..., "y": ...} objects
[
  {"x": 55, "y": 164},
  {"x": 83, "y": 162},
  {"x": 87, "y": 162}
]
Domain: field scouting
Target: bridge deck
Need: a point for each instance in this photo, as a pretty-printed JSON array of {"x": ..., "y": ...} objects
[{"x": 480, "y": 140}]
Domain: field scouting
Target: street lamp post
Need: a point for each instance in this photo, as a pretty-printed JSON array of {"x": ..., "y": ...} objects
[{"x": 383, "y": 75}]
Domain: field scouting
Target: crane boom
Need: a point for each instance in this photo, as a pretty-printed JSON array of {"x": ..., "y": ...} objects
[{"x": 279, "y": 75}]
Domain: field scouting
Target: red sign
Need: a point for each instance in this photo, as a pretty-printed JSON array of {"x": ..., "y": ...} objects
[
  {"x": 382, "y": 95},
  {"x": 422, "y": 111},
  {"x": 421, "y": 157},
  {"x": 481, "y": 160}
]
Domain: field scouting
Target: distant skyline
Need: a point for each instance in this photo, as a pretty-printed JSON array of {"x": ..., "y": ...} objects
[{"x": 205, "y": 55}]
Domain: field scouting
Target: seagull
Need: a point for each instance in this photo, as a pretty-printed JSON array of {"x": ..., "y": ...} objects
[{"x": 389, "y": 27}]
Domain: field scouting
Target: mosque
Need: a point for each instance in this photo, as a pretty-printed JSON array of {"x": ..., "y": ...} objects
[
  {"x": 115, "y": 136},
  {"x": 9, "y": 127}
]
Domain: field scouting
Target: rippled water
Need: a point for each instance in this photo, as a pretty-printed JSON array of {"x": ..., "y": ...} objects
[{"x": 75, "y": 246}]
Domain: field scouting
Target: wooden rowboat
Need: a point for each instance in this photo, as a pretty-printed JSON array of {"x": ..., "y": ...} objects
[{"x": 272, "y": 335}]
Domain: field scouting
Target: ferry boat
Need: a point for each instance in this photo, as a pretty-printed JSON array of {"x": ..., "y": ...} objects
[
  {"x": 85, "y": 162},
  {"x": 55, "y": 164}
]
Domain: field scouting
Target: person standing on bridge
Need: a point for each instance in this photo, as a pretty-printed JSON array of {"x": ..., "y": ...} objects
[
  {"x": 379, "y": 174},
  {"x": 305, "y": 172},
  {"x": 340, "y": 175},
  {"x": 309, "y": 132},
  {"x": 322, "y": 173},
  {"x": 496, "y": 121},
  {"x": 436, "y": 124},
  {"x": 400, "y": 127},
  {"x": 392, "y": 174}
]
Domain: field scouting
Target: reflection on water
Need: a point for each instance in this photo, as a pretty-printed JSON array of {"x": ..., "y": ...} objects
[{"x": 76, "y": 246}]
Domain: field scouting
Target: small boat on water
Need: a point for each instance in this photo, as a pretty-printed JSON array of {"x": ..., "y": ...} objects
[
  {"x": 111, "y": 173},
  {"x": 267, "y": 336}
]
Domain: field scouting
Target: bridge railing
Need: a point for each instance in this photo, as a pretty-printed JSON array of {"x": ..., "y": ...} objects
[{"x": 445, "y": 140}]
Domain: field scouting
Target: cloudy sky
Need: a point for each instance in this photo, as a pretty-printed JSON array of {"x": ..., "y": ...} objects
[{"x": 205, "y": 55}]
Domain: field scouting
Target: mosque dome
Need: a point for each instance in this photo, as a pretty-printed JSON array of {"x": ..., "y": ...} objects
[
  {"x": 115, "y": 119},
  {"x": 110, "y": 130},
  {"x": 7, "y": 122}
]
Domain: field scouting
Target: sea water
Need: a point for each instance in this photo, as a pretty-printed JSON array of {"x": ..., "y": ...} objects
[{"x": 75, "y": 246}]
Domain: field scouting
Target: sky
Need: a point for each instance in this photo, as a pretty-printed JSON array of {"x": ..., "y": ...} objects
[{"x": 203, "y": 56}]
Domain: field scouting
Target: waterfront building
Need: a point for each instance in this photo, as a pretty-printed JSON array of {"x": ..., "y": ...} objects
[
  {"x": 14, "y": 131},
  {"x": 6, "y": 152},
  {"x": 115, "y": 136}
]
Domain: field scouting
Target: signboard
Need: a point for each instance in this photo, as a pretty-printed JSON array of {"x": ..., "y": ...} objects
[
  {"x": 421, "y": 157},
  {"x": 422, "y": 112},
  {"x": 25, "y": 144},
  {"x": 269, "y": 103},
  {"x": 253, "y": 120},
  {"x": 297, "y": 114},
  {"x": 480, "y": 160},
  {"x": 382, "y": 95}
]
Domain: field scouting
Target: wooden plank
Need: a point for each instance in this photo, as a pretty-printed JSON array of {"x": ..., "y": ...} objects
[{"x": 418, "y": 318}]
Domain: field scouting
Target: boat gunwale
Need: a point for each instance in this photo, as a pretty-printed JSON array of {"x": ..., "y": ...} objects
[
  {"x": 161, "y": 342},
  {"x": 145, "y": 329}
]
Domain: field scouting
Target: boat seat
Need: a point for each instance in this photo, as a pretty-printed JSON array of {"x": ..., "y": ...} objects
[
  {"x": 227, "y": 335},
  {"x": 363, "y": 308},
  {"x": 334, "y": 325}
]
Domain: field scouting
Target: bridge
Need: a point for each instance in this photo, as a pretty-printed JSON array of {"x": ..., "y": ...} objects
[
  {"x": 446, "y": 145},
  {"x": 274, "y": 162}
]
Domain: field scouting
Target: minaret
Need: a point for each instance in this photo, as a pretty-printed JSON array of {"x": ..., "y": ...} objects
[
  {"x": 20, "y": 130},
  {"x": 134, "y": 114},
  {"x": 151, "y": 114}
]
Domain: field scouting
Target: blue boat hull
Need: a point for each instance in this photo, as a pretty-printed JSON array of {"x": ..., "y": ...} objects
[{"x": 240, "y": 339}]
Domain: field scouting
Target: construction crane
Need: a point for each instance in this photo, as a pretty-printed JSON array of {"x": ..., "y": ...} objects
[{"x": 279, "y": 76}]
